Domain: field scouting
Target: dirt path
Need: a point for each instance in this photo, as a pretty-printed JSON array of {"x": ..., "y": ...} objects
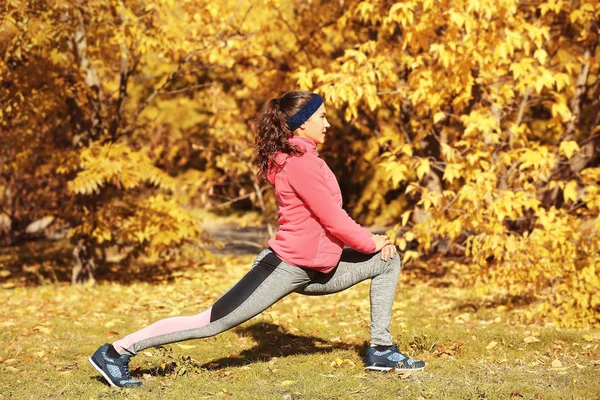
[{"x": 239, "y": 241}]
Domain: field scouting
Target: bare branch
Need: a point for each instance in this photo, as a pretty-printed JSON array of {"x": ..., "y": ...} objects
[
  {"x": 3, "y": 211},
  {"x": 124, "y": 77},
  {"x": 300, "y": 41},
  {"x": 522, "y": 107},
  {"x": 228, "y": 23},
  {"x": 185, "y": 89},
  {"x": 576, "y": 100},
  {"x": 225, "y": 204},
  {"x": 132, "y": 125},
  {"x": 171, "y": 78},
  {"x": 388, "y": 92},
  {"x": 595, "y": 106},
  {"x": 78, "y": 45}
]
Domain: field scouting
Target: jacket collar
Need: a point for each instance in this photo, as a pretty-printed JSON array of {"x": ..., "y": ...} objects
[{"x": 304, "y": 143}]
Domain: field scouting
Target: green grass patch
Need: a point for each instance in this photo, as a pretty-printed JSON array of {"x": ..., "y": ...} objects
[{"x": 301, "y": 348}]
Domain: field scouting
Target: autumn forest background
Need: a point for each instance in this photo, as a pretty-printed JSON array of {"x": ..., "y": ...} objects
[{"x": 468, "y": 131}]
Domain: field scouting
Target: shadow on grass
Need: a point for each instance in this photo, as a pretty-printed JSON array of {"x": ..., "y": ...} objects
[
  {"x": 272, "y": 341},
  {"x": 510, "y": 301}
]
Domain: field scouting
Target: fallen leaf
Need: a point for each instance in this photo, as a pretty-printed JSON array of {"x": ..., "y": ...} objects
[
  {"x": 462, "y": 318},
  {"x": 592, "y": 337},
  {"x": 185, "y": 346},
  {"x": 556, "y": 363},
  {"x": 531, "y": 339},
  {"x": 41, "y": 328},
  {"x": 491, "y": 345},
  {"x": 66, "y": 367},
  {"x": 336, "y": 363}
]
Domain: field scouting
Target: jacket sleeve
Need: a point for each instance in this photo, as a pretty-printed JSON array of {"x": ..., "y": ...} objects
[{"x": 306, "y": 177}]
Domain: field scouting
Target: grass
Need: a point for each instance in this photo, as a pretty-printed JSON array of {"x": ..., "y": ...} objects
[{"x": 301, "y": 348}]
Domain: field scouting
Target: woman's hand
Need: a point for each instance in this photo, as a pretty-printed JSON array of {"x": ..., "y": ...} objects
[
  {"x": 388, "y": 252},
  {"x": 380, "y": 241}
]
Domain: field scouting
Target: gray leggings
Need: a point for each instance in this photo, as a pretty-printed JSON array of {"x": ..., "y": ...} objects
[{"x": 269, "y": 280}]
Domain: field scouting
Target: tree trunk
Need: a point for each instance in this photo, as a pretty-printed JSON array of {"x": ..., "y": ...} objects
[
  {"x": 91, "y": 127},
  {"x": 576, "y": 100},
  {"x": 83, "y": 269}
]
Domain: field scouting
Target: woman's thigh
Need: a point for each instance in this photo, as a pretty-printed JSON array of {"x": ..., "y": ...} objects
[
  {"x": 354, "y": 267},
  {"x": 269, "y": 280}
]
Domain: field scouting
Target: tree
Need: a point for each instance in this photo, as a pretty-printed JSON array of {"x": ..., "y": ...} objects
[
  {"x": 115, "y": 109},
  {"x": 488, "y": 126},
  {"x": 471, "y": 127}
]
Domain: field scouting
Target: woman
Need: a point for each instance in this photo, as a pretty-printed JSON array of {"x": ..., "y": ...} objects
[{"x": 306, "y": 255}]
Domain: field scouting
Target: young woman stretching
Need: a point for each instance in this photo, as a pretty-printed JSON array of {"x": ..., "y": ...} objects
[{"x": 306, "y": 255}]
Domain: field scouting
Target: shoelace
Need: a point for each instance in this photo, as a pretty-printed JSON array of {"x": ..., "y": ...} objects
[
  {"x": 395, "y": 349},
  {"x": 124, "y": 367}
]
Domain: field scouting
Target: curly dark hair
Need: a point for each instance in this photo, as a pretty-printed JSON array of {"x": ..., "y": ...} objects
[{"x": 272, "y": 132}]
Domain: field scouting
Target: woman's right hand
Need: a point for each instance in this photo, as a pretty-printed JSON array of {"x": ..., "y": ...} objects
[{"x": 380, "y": 241}]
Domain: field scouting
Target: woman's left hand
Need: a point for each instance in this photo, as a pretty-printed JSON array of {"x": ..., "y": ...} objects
[{"x": 387, "y": 252}]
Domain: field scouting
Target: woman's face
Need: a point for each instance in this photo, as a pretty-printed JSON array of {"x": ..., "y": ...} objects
[{"x": 314, "y": 128}]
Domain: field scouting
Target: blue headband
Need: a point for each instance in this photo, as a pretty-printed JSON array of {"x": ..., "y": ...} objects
[{"x": 305, "y": 112}]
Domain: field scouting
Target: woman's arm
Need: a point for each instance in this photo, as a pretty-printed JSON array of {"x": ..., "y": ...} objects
[{"x": 306, "y": 177}]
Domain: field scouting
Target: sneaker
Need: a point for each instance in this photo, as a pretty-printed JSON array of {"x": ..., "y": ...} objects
[
  {"x": 385, "y": 358},
  {"x": 113, "y": 366}
]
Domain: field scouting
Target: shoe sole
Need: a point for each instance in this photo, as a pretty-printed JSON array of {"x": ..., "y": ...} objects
[
  {"x": 385, "y": 369},
  {"x": 101, "y": 372}
]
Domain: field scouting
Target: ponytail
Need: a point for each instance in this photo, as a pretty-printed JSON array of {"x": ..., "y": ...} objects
[{"x": 272, "y": 131}]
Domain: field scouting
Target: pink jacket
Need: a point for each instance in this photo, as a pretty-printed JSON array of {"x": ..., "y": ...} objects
[{"x": 313, "y": 226}]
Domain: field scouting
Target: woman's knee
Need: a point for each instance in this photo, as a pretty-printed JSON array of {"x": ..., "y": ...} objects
[
  {"x": 393, "y": 265},
  {"x": 396, "y": 262}
]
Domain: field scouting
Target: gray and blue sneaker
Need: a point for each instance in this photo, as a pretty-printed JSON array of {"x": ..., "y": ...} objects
[
  {"x": 386, "y": 358},
  {"x": 113, "y": 366}
]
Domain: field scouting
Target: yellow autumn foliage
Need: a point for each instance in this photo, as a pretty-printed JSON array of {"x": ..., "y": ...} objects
[
  {"x": 472, "y": 128},
  {"x": 500, "y": 110}
]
